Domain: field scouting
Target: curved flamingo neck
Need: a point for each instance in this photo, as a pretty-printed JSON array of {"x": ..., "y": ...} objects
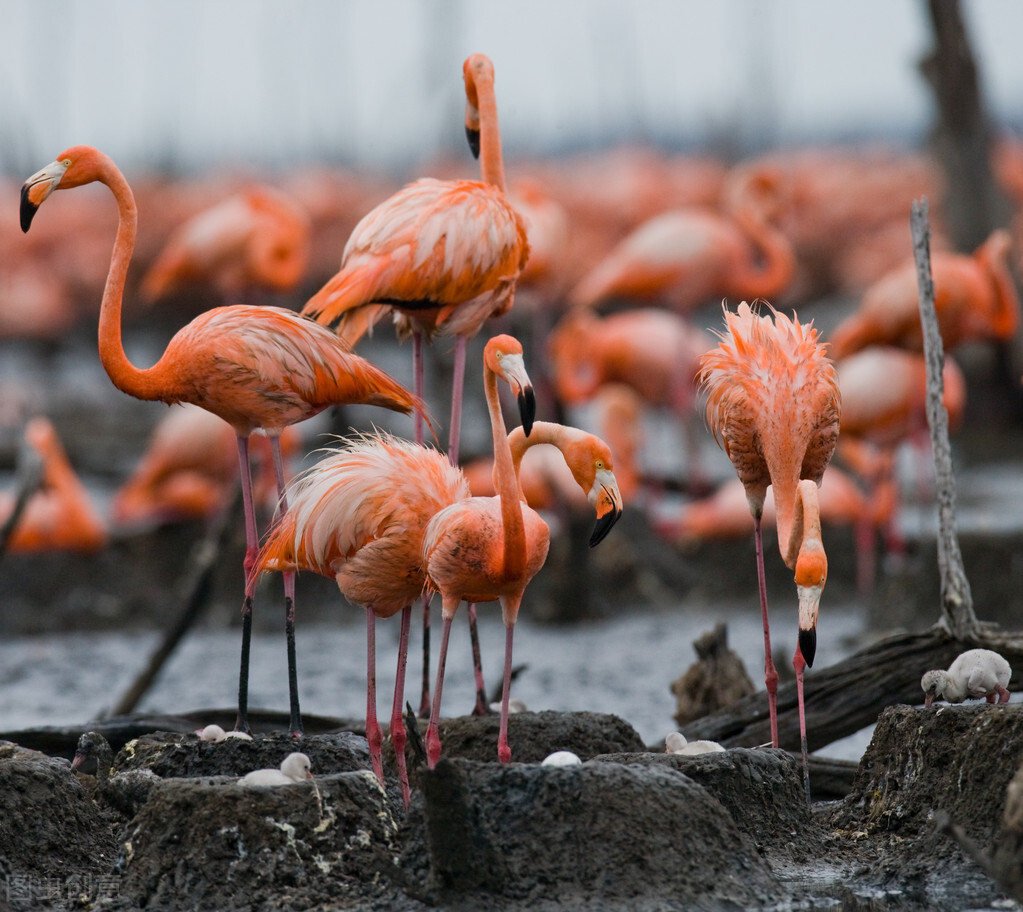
[
  {"x": 763, "y": 279},
  {"x": 506, "y": 483},
  {"x": 799, "y": 521},
  {"x": 491, "y": 159},
  {"x": 125, "y": 376}
]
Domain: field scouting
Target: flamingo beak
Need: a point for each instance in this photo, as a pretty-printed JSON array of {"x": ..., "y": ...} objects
[
  {"x": 607, "y": 500},
  {"x": 37, "y": 188},
  {"x": 514, "y": 369},
  {"x": 928, "y": 699},
  {"x": 472, "y": 128},
  {"x": 809, "y": 603}
]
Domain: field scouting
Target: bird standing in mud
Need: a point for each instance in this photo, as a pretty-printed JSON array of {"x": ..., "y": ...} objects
[
  {"x": 975, "y": 674},
  {"x": 258, "y": 368},
  {"x": 773, "y": 403},
  {"x": 486, "y": 549}
]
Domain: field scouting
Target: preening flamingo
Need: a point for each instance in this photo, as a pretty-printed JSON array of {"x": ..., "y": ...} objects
[
  {"x": 974, "y": 298},
  {"x": 255, "y": 239},
  {"x": 488, "y": 548},
  {"x": 774, "y": 405},
  {"x": 975, "y": 674},
  {"x": 686, "y": 257},
  {"x": 256, "y": 367},
  {"x": 60, "y": 515},
  {"x": 443, "y": 255}
]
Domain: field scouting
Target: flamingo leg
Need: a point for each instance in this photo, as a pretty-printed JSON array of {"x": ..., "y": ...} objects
[
  {"x": 503, "y": 750},
  {"x": 1003, "y": 694},
  {"x": 398, "y": 736},
  {"x": 417, "y": 388},
  {"x": 289, "y": 598},
  {"x": 432, "y": 733},
  {"x": 770, "y": 672},
  {"x": 457, "y": 387},
  {"x": 799, "y": 663},
  {"x": 482, "y": 708},
  {"x": 251, "y": 544},
  {"x": 373, "y": 734}
]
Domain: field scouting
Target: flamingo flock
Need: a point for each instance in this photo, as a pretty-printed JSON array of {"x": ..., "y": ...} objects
[{"x": 598, "y": 282}]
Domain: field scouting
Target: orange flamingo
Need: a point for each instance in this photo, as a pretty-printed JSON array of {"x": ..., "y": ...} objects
[
  {"x": 359, "y": 515},
  {"x": 444, "y": 255},
  {"x": 685, "y": 257},
  {"x": 974, "y": 297},
  {"x": 258, "y": 238},
  {"x": 488, "y": 548},
  {"x": 61, "y": 514},
  {"x": 255, "y": 367},
  {"x": 654, "y": 351},
  {"x": 773, "y": 403},
  {"x": 190, "y": 468}
]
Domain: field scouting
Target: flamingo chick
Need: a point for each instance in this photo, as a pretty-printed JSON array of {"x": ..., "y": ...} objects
[
  {"x": 676, "y": 743},
  {"x": 294, "y": 768},
  {"x": 974, "y": 674}
]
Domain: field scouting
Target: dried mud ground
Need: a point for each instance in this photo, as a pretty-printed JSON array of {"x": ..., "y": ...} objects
[{"x": 628, "y": 828}]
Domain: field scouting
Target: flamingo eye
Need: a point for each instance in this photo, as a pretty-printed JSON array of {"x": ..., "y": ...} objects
[
  {"x": 600, "y": 463},
  {"x": 67, "y": 162}
]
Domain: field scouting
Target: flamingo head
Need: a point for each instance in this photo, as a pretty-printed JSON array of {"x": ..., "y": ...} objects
[
  {"x": 72, "y": 168},
  {"x": 592, "y": 466},
  {"x": 476, "y": 69},
  {"x": 933, "y": 684},
  {"x": 504, "y": 357},
  {"x": 811, "y": 574}
]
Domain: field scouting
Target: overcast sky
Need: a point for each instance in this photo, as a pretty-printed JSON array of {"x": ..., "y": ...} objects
[{"x": 201, "y": 82}]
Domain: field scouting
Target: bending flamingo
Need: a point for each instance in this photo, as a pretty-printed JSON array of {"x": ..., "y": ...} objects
[
  {"x": 256, "y": 367},
  {"x": 486, "y": 549},
  {"x": 443, "y": 255},
  {"x": 774, "y": 405}
]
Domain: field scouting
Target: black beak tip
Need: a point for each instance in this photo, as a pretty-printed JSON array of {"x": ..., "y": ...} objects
[
  {"x": 808, "y": 645},
  {"x": 28, "y": 209},
  {"x": 474, "y": 141},
  {"x": 527, "y": 408},
  {"x": 603, "y": 526}
]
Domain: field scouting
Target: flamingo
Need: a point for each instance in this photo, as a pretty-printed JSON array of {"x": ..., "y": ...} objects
[
  {"x": 60, "y": 515},
  {"x": 486, "y": 549},
  {"x": 774, "y": 405},
  {"x": 974, "y": 674},
  {"x": 189, "y": 468},
  {"x": 255, "y": 367},
  {"x": 257, "y": 238},
  {"x": 444, "y": 255},
  {"x": 974, "y": 297},
  {"x": 688, "y": 256},
  {"x": 294, "y": 768}
]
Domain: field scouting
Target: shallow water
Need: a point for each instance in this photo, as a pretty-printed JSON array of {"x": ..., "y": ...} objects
[{"x": 623, "y": 665}]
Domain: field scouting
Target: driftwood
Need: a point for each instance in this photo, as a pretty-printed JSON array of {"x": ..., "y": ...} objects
[{"x": 848, "y": 696}]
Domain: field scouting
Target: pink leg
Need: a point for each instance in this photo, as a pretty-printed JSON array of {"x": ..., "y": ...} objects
[
  {"x": 799, "y": 663},
  {"x": 1003, "y": 694},
  {"x": 481, "y": 708},
  {"x": 424, "y": 702},
  {"x": 991, "y": 698},
  {"x": 398, "y": 737},
  {"x": 373, "y": 735},
  {"x": 770, "y": 673},
  {"x": 289, "y": 599},
  {"x": 432, "y": 734},
  {"x": 503, "y": 750},
  {"x": 251, "y": 545},
  {"x": 866, "y": 568},
  {"x": 457, "y": 385},
  {"x": 417, "y": 388}
]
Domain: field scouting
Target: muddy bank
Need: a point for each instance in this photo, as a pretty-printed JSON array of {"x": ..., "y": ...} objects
[{"x": 627, "y": 828}]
